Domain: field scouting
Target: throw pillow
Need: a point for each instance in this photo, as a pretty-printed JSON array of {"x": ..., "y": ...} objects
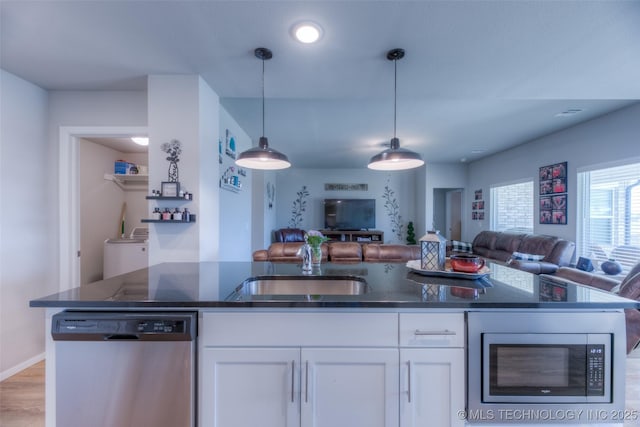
[
  {"x": 526, "y": 257},
  {"x": 457, "y": 246}
]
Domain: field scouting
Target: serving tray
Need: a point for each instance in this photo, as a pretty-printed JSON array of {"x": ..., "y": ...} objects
[{"x": 414, "y": 265}]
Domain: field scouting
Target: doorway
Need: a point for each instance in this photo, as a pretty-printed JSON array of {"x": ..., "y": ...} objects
[
  {"x": 447, "y": 212},
  {"x": 69, "y": 195}
]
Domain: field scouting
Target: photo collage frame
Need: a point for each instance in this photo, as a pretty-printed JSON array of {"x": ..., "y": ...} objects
[
  {"x": 553, "y": 194},
  {"x": 477, "y": 206}
]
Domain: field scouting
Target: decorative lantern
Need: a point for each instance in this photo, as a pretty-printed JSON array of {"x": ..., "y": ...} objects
[{"x": 433, "y": 250}]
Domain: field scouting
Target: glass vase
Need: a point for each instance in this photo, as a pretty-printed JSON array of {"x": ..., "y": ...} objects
[{"x": 316, "y": 255}]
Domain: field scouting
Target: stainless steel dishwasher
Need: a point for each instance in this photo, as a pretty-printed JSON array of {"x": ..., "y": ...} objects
[{"x": 120, "y": 369}]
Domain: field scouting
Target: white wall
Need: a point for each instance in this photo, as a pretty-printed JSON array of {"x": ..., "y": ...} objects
[
  {"x": 183, "y": 107},
  {"x": 101, "y": 203},
  {"x": 235, "y": 207},
  {"x": 609, "y": 138},
  {"x": 263, "y": 208},
  {"x": 290, "y": 181},
  {"x": 27, "y": 222}
]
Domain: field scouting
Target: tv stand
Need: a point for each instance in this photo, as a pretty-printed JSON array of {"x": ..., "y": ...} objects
[{"x": 367, "y": 236}]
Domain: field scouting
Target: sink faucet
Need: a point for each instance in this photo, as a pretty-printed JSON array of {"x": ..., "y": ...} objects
[{"x": 305, "y": 253}]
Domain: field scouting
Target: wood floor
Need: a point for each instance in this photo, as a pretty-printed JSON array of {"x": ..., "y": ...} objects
[{"x": 22, "y": 395}]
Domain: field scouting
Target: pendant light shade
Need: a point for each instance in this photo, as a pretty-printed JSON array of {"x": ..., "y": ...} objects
[
  {"x": 263, "y": 157},
  {"x": 394, "y": 157}
]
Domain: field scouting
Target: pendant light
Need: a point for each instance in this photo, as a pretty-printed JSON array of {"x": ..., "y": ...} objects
[
  {"x": 263, "y": 157},
  {"x": 394, "y": 157}
]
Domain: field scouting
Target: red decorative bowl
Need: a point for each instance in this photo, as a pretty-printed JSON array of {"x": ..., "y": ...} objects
[{"x": 466, "y": 263}]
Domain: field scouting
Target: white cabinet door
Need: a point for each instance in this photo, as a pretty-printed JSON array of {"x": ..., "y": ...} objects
[
  {"x": 432, "y": 387},
  {"x": 250, "y": 387},
  {"x": 344, "y": 387}
]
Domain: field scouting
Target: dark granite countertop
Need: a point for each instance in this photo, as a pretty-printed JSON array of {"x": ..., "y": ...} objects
[{"x": 212, "y": 284}]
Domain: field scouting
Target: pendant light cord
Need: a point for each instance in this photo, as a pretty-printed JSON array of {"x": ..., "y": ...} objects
[
  {"x": 395, "y": 94},
  {"x": 262, "y": 96}
]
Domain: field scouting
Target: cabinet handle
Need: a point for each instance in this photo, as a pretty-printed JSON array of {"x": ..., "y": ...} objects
[
  {"x": 445, "y": 332},
  {"x": 409, "y": 380},
  {"x": 306, "y": 382},
  {"x": 293, "y": 365}
]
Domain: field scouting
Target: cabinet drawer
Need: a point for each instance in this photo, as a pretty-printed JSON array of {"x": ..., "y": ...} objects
[
  {"x": 299, "y": 329},
  {"x": 432, "y": 330}
]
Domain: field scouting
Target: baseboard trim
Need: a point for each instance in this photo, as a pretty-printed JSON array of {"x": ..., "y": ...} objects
[{"x": 20, "y": 367}]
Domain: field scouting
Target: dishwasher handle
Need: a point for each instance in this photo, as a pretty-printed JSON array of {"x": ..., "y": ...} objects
[{"x": 121, "y": 337}]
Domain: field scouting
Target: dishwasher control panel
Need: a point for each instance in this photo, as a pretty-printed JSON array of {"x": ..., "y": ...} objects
[{"x": 103, "y": 326}]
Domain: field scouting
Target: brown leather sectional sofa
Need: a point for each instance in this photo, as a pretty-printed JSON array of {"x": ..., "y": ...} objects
[
  {"x": 501, "y": 245},
  {"x": 628, "y": 288},
  {"x": 345, "y": 252}
]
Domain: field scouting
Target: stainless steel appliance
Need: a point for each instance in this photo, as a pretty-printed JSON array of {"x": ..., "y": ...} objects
[
  {"x": 125, "y": 368},
  {"x": 545, "y": 366}
]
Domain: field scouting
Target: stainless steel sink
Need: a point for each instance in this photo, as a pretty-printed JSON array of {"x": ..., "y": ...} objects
[{"x": 303, "y": 285}]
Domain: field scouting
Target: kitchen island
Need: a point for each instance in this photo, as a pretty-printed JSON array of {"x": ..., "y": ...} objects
[{"x": 394, "y": 351}]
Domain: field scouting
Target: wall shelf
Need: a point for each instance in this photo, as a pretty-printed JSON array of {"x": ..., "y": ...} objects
[
  {"x": 230, "y": 187},
  {"x": 168, "y": 198},
  {"x": 128, "y": 182},
  {"x": 170, "y": 221}
]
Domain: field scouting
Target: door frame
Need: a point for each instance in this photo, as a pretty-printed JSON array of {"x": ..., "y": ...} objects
[
  {"x": 69, "y": 198},
  {"x": 449, "y": 211}
]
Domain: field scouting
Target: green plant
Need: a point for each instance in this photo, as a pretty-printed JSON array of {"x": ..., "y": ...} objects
[{"x": 411, "y": 234}]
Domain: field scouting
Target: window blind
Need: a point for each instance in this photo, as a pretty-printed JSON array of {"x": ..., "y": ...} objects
[
  {"x": 609, "y": 211},
  {"x": 512, "y": 207}
]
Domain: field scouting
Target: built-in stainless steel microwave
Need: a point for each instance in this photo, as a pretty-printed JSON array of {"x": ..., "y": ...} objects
[
  {"x": 546, "y": 368},
  {"x": 538, "y": 364}
]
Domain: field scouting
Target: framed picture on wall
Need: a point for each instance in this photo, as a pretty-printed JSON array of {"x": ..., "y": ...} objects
[{"x": 553, "y": 194}]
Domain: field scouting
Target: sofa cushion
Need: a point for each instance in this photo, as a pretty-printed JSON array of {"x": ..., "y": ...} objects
[
  {"x": 289, "y": 235},
  {"x": 537, "y": 244},
  {"x": 509, "y": 242},
  {"x": 374, "y": 252},
  {"x": 284, "y": 252},
  {"x": 485, "y": 240},
  {"x": 345, "y": 252}
]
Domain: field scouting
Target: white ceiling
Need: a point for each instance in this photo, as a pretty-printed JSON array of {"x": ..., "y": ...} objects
[{"x": 477, "y": 75}]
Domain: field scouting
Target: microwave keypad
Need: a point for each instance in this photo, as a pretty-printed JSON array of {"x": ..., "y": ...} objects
[{"x": 595, "y": 370}]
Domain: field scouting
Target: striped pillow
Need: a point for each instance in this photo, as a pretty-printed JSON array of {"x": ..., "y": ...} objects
[
  {"x": 457, "y": 246},
  {"x": 526, "y": 257}
]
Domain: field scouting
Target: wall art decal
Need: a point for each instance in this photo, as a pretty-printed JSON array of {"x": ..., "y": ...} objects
[
  {"x": 271, "y": 194},
  {"x": 393, "y": 212},
  {"x": 299, "y": 207}
]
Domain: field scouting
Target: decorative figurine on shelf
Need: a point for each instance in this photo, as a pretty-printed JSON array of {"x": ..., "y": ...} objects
[
  {"x": 433, "y": 250},
  {"x": 173, "y": 149}
]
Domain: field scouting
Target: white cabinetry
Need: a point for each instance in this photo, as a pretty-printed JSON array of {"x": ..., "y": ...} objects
[
  {"x": 349, "y": 387},
  {"x": 257, "y": 387},
  {"x": 332, "y": 369},
  {"x": 432, "y": 364}
]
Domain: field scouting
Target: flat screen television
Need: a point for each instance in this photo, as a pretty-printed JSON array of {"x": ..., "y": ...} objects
[{"x": 349, "y": 214}]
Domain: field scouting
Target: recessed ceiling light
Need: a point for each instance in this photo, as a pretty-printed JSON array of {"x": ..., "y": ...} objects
[
  {"x": 140, "y": 140},
  {"x": 307, "y": 32}
]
